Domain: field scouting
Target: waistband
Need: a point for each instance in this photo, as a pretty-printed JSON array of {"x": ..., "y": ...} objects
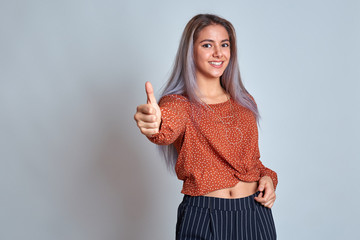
[{"x": 223, "y": 204}]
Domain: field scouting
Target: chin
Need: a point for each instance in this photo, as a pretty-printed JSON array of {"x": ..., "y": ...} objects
[{"x": 216, "y": 75}]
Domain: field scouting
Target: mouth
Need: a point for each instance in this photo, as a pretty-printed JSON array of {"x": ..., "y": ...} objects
[{"x": 217, "y": 64}]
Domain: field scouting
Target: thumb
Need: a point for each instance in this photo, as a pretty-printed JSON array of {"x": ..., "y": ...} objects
[
  {"x": 261, "y": 187},
  {"x": 150, "y": 93}
]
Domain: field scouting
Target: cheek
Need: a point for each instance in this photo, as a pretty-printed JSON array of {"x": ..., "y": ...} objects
[
  {"x": 228, "y": 54},
  {"x": 228, "y": 61},
  {"x": 201, "y": 57}
]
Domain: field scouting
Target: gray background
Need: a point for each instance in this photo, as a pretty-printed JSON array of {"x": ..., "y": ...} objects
[{"x": 73, "y": 163}]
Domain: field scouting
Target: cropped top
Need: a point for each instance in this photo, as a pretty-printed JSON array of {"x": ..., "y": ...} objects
[{"x": 217, "y": 144}]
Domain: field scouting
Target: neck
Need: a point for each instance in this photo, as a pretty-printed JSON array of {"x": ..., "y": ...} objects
[{"x": 210, "y": 91}]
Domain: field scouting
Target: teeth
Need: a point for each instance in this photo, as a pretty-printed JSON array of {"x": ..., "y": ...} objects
[{"x": 216, "y": 63}]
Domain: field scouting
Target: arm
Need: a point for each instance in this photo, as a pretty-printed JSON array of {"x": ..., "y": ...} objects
[
  {"x": 174, "y": 117},
  {"x": 267, "y": 183},
  {"x": 267, "y": 172},
  {"x": 164, "y": 122},
  {"x": 268, "y": 178}
]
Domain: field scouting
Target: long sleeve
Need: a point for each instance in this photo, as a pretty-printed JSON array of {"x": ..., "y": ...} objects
[
  {"x": 264, "y": 171},
  {"x": 174, "y": 116}
]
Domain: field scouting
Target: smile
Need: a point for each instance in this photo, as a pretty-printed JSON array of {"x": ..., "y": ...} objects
[{"x": 216, "y": 63}]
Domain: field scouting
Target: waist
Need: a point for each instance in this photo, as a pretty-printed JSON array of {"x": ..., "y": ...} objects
[
  {"x": 235, "y": 204},
  {"x": 240, "y": 190}
]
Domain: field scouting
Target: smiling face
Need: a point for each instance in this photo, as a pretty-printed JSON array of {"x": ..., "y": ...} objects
[{"x": 211, "y": 52}]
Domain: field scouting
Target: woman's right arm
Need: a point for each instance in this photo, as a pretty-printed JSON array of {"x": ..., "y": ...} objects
[{"x": 163, "y": 123}]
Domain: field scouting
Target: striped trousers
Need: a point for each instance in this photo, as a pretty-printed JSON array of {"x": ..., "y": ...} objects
[{"x": 209, "y": 218}]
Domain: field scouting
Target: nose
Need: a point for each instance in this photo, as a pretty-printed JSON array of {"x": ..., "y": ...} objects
[{"x": 217, "y": 52}]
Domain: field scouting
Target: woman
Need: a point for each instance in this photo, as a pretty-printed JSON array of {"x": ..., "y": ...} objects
[{"x": 206, "y": 124}]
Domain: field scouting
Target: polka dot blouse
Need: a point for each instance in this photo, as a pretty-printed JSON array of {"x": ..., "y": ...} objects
[{"x": 217, "y": 144}]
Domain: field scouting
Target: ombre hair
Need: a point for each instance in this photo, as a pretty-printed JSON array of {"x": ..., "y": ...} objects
[{"x": 183, "y": 77}]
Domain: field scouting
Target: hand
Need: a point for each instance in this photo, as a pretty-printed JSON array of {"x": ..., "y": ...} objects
[
  {"x": 148, "y": 116},
  {"x": 267, "y": 194}
]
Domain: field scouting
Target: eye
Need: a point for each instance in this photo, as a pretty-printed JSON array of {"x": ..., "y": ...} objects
[
  {"x": 206, "y": 45},
  {"x": 225, "y": 45}
]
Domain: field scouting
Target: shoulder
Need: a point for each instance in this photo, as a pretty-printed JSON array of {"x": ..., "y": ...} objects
[
  {"x": 175, "y": 100},
  {"x": 174, "y": 106}
]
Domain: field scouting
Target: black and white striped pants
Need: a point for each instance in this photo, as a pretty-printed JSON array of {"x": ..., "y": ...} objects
[{"x": 209, "y": 218}]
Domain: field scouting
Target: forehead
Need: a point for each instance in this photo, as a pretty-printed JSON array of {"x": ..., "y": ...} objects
[{"x": 213, "y": 32}]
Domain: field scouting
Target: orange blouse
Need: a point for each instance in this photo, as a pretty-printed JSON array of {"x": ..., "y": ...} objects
[{"x": 217, "y": 144}]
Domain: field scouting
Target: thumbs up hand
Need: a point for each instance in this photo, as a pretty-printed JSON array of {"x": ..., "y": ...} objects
[{"x": 148, "y": 116}]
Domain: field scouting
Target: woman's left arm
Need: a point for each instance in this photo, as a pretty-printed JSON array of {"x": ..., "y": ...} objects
[{"x": 267, "y": 183}]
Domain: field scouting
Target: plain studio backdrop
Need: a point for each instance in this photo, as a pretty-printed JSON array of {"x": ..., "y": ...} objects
[{"x": 74, "y": 165}]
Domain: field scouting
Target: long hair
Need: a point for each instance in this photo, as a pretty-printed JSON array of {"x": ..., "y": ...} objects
[{"x": 183, "y": 77}]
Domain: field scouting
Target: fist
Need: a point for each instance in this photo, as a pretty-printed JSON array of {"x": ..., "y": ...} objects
[{"x": 148, "y": 116}]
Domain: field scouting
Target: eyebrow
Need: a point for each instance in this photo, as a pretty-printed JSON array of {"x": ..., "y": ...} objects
[{"x": 209, "y": 40}]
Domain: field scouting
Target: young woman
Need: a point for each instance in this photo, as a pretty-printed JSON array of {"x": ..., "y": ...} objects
[{"x": 206, "y": 124}]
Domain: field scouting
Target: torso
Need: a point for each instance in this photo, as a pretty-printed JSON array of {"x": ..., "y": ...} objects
[
  {"x": 215, "y": 162},
  {"x": 240, "y": 190}
]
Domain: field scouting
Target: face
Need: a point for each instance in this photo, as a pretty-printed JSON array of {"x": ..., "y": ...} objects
[{"x": 211, "y": 52}]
